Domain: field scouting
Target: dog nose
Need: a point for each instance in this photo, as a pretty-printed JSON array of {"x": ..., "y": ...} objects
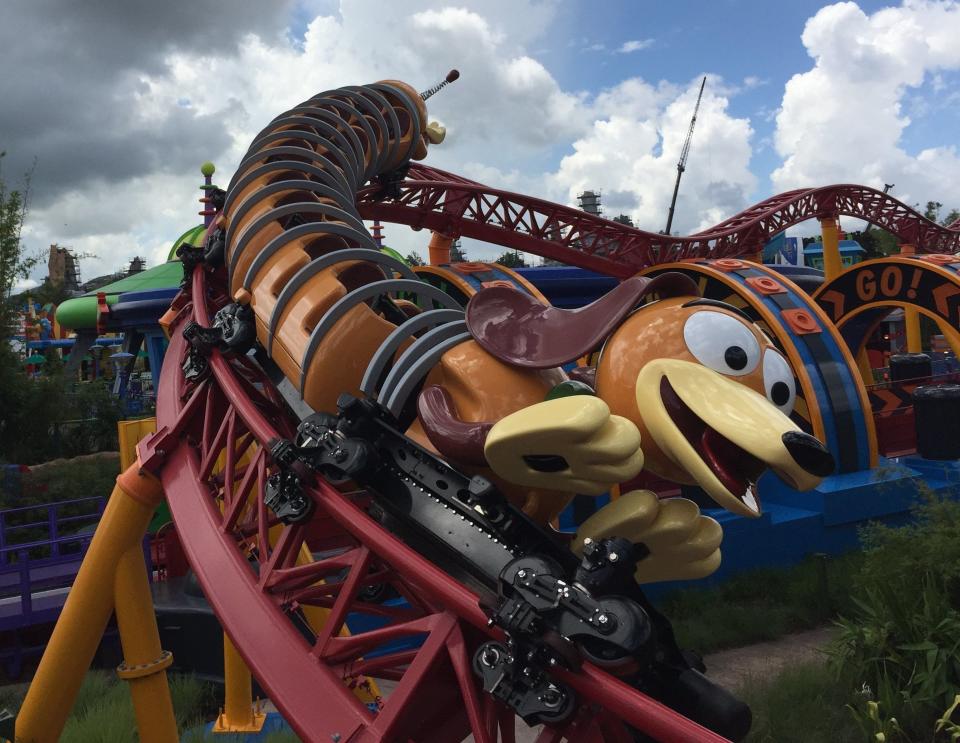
[{"x": 809, "y": 453}]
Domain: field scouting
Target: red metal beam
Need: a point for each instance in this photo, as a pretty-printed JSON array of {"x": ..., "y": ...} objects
[
  {"x": 307, "y": 685},
  {"x": 447, "y": 203}
]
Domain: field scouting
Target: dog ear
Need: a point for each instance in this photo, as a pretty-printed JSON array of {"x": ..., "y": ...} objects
[{"x": 519, "y": 330}]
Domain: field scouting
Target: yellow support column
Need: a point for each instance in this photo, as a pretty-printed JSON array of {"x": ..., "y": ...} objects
[
  {"x": 866, "y": 370},
  {"x": 89, "y": 604},
  {"x": 144, "y": 662},
  {"x": 240, "y": 714},
  {"x": 951, "y": 335},
  {"x": 129, "y": 434},
  {"x": 911, "y": 319},
  {"x": 832, "y": 265},
  {"x": 911, "y": 316}
]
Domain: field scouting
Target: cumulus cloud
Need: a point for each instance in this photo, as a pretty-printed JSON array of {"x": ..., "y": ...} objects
[
  {"x": 121, "y": 128},
  {"x": 844, "y": 120},
  {"x": 22, "y": 285},
  {"x": 634, "y": 45},
  {"x": 121, "y": 103},
  {"x": 632, "y": 149},
  {"x": 75, "y": 81}
]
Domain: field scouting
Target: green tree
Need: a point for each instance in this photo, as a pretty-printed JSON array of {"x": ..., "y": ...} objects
[
  {"x": 13, "y": 263},
  {"x": 512, "y": 259},
  {"x": 413, "y": 258},
  {"x": 50, "y": 293},
  {"x": 876, "y": 242},
  {"x": 457, "y": 253},
  {"x": 952, "y": 217},
  {"x": 932, "y": 212}
]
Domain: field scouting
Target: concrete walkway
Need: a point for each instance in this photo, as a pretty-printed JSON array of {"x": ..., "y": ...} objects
[{"x": 733, "y": 668}]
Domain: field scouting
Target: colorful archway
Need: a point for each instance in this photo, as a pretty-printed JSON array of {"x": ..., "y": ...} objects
[
  {"x": 858, "y": 299},
  {"x": 462, "y": 280},
  {"x": 832, "y": 401}
]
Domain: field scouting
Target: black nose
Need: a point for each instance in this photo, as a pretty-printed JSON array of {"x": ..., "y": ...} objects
[{"x": 809, "y": 453}]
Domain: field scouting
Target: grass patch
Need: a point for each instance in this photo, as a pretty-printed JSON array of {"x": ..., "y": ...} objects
[
  {"x": 277, "y": 737},
  {"x": 803, "y": 704},
  {"x": 763, "y": 604},
  {"x": 103, "y": 712}
]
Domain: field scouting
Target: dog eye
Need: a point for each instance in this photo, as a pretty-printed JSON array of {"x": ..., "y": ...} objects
[
  {"x": 722, "y": 343},
  {"x": 778, "y": 381}
]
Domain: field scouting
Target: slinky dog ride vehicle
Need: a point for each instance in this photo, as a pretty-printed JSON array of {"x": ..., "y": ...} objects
[{"x": 348, "y": 440}]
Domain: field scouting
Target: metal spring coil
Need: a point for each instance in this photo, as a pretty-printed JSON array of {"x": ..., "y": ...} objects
[{"x": 299, "y": 254}]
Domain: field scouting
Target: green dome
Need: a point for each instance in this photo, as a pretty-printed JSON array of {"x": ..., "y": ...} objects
[
  {"x": 193, "y": 236},
  {"x": 207, "y": 168}
]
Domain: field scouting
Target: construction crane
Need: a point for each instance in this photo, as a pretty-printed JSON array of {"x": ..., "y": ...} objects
[
  {"x": 682, "y": 164},
  {"x": 886, "y": 189}
]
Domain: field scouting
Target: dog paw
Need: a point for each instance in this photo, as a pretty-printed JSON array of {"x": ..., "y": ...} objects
[
  {"x": 572, "y": 444},
  {"x": 683, "y": 543}
]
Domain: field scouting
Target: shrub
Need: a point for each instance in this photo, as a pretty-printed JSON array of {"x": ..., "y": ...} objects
[
  {"x": 901, "y": 642},
  {"x": 48, "y": 417},
  {"x": 804, "y": 704}
]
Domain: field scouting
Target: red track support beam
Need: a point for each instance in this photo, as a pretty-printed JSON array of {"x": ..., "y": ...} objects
[{"x": 446, "y": 203}]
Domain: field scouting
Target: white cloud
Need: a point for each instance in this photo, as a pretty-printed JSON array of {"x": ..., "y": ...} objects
[
  {"x": 108, "y": 226},
  {"x": 631, "y": 151},
  {"x": 635, "y": 45},
  {"x": 21, "y": 285},
  {"x": 844, "y": 120},
  {"x": 506, "y": 109},
  {"x": 508, "y": 121}
]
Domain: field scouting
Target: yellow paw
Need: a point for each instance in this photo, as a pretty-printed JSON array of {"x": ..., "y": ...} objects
[
  {"x": 684, "y": 544},
  {"x": 570, "y": 444}
]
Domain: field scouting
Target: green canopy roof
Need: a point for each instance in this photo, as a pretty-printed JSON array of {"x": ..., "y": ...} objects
[
  {"x": 191, "y": 236},
  {"x": 159, "y": 277},
  {"x": 81, "y": 312}
]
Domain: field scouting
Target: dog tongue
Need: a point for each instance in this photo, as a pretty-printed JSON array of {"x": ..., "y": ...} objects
[{"x": 726, "y": 459}]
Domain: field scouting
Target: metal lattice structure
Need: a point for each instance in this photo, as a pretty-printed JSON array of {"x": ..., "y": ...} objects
[
  {"x": 436, "y": 200},
  {"x": 218, "y": 430},
  {"x": 282, "y": 577}
]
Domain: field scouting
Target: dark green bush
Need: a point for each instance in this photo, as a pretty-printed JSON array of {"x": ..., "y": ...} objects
[
  {"x": 901, "y": 643},
  {"x": 50, "y": 417},
  {"x": 804, "y": 704}
]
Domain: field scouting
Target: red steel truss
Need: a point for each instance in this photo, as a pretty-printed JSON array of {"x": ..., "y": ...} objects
[
  {"x": 447, "y": 203},
  {"x": 214, "y": 434}
]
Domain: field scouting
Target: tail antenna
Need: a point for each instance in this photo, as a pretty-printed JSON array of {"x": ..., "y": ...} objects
[{"x": 451, "y": 76}]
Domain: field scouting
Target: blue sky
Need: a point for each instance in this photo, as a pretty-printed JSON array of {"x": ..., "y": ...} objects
[
  {"x": 750, "y": 49},
  {"x": 550, "y": 101},
  {"x": 736, "y": 39}
]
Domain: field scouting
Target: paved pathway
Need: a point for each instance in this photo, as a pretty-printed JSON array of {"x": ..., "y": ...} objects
[{"x": 732, "y": 668}]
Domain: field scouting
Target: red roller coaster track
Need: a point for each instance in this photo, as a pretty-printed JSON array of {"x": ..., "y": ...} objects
[
  {"x": 247, "y": 562},
  {"x": 450, "y": 204}
]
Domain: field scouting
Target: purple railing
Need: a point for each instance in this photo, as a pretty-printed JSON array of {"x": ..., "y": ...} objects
[
  {"x": 51, "y": 520},
  {"x": 40, "y": 554}
]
